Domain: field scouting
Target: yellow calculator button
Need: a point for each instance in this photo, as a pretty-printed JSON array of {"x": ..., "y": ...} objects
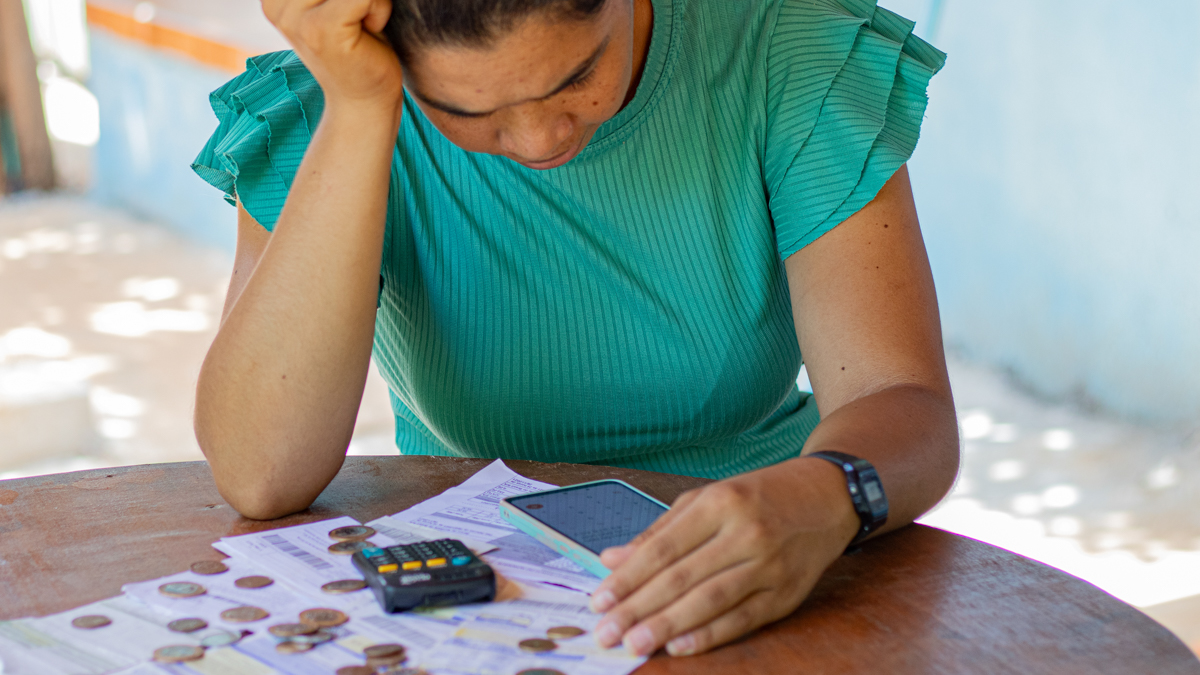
[
  {"x": 391, "y": 567},
  {"x": 436, "y": 562},
  {"x": 412, "y": 565}
]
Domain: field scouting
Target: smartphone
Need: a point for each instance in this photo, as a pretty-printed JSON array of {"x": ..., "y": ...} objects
[{"x": 580, "y": 521}]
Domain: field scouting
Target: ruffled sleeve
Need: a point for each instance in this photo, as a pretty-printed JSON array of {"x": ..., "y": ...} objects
[
  {"x": 266, "y": 117},
  {"x": 846, "y": 85}
]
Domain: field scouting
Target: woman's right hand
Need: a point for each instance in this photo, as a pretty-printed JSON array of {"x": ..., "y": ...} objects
[{"x": 341, "y": 43}]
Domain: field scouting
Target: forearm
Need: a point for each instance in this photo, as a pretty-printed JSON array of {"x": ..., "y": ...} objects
[
  {"x": 280, "y": 388},
  {"x": 908, "y": 433}
]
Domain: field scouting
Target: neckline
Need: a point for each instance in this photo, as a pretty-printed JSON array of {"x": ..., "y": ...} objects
[{"x": 661, "y": 35}]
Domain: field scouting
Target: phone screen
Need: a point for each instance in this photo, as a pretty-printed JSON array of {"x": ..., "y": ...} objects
[{"x": 595, "y": 516}]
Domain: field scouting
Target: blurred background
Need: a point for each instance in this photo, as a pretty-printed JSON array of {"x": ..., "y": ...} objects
[{"x": 1054, "y": 180}]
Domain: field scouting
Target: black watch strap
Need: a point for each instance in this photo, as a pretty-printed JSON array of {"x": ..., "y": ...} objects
[{"x": 866, "y": 491}]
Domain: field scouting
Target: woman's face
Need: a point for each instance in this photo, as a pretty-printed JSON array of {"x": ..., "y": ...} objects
[{"x": 538, "y": 93}]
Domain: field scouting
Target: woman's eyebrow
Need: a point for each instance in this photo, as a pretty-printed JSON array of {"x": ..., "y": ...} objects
[{"x": 579, "y": 72}]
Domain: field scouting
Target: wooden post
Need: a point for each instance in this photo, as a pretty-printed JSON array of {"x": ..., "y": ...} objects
[{"x": 22, "y": 98}]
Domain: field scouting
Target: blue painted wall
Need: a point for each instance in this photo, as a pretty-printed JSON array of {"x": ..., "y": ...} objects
[
  {"x": 154, "y": 118},
  {"x": 1057, "y": 188}
]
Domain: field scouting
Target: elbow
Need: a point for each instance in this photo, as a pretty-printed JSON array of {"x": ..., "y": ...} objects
[{"x": 261, "y": 502}]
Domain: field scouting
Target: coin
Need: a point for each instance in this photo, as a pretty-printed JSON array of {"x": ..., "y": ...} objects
[
  {"x": 320, "y": 637},
  {"x": 289, "y": 630},
  {"x": 564, "y": 632},
  {"x": 323, "y": 617},
  {"x": 222, "y": 639},
  {"x": 386, "y": 662},
  {"x": 344, "y": 586},
  {"x": 181, "y": 589},
  {"x": 255, "y": 581},
  {"x": 351, "y": 533},
  {"x": 537, "y": 645},
  {"x": 91, "y": 621},
  {"x": 244, "y": 614},
  {"x": 207, "y": 567},
  {"x": 355, "y": 670},
  {"x": 540, "y": 671},
  {"x": 178, "y": 653},
  {"x": 289, "y": 647},
  {"x": 187, "y": 625},
  {"x": 383, "y": 651},
  {"x": 349, "y": 547}
]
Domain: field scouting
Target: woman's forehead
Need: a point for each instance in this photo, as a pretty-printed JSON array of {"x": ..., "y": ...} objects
[{"x": 528, "y": 62}]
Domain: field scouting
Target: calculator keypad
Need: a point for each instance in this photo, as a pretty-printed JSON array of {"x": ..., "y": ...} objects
[{"x": 423, "y": 555}]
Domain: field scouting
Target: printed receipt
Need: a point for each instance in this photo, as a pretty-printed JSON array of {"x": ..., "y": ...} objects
[
  {"x": 479, "y": 638},
  {"x": 472, "y": 511}
]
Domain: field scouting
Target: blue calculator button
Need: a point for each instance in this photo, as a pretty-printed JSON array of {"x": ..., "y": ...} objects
[
  {"x": 372, "y": 552},
  {"x": 461, "y": 560}
]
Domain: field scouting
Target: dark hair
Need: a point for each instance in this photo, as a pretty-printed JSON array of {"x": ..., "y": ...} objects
[{"x": 470, "y": 22}]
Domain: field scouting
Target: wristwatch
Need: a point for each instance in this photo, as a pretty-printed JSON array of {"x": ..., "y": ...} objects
[{"x": 866, "y": 491}]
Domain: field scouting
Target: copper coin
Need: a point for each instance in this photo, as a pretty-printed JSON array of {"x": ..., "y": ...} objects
[
  {"x": 207, "y": 567},
  {"x": 349, "y": 547},
  {"x": 355, "y": 670},
  {"x": 222, "y": 639},
  {"x": 91, "y": 621},
  {"x": 181, "y": 589},
  {"x": 289, "y": 647},
  {"x": 344, "y": 586},
  {"x": 323, "y": 617},
  {"x": 386, "y": 662},
  {"x": 290, "y": 630},
  {"x": 244, "y": 614},
  {"x": 255, "y": 581},
  {"x": 540, "y": 671},
  {"x": 187, "y": 625},
  {"x": 351, "y": 533},
  {"x": 383, "y": 651},
  {"x": 178, "y": 653},
  {"x": 536, "y": 645},
  {"x": 564, "y": 632},
  {"x": 320, "y": 637}
]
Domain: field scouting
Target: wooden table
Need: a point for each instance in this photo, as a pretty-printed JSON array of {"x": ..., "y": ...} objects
[{"x": 916, "y": 601}]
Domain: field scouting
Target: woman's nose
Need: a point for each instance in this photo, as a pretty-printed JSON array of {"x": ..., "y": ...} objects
[{"x": 535, "y": 133}]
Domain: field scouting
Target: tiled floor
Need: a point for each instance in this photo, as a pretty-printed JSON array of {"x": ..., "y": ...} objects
[{"x": 104, "y": 322}]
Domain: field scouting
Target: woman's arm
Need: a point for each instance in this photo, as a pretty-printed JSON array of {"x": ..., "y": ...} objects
[
  {"x": 745, "y": 551},
  {"x": 280, "y": 388}
]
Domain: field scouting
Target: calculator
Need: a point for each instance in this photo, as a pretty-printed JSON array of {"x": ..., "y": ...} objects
[{"x": 425, "y": 574}]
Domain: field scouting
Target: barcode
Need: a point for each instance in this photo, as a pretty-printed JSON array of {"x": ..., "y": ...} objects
[{"x": 297, "y": 553}]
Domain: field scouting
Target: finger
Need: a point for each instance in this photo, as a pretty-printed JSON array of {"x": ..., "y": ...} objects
[
  {"x": 683, "y": 532},
  {"x": 759, "y": 609},
  {"x": 677, "y": 601}
]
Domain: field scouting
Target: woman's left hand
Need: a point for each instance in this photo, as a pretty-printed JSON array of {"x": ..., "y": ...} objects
[{"x": 726, "y": 559}]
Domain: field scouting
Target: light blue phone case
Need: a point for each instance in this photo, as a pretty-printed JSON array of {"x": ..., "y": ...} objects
[{"x": 555, "y": 539}]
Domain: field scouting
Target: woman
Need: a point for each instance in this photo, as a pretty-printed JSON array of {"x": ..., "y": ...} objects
[{"x": 592, "y": 231}]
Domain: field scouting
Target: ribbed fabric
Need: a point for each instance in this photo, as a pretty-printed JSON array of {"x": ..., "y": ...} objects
[{"x": 631, "y": 307}]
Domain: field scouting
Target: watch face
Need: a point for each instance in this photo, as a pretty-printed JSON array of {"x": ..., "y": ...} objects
[
  {"x": 874, "y": 494},
  {"x": 876, "y": 500}
]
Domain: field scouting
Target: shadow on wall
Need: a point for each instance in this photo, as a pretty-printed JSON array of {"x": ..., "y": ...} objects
[
  {"x": 155, "y": 117},
  {"x": 1055, "y": 180}
]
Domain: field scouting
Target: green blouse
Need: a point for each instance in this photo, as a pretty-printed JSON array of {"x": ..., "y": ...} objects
[{"x": 631, "y": 307}]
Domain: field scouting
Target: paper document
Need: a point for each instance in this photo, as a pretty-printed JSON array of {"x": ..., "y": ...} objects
[{"x": 472, "y": 510}]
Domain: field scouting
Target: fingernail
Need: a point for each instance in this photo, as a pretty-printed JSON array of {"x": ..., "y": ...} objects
[
  {"x": 603, "y": 601},
  {"x": 607, "y": 634},
  {"x": 683, "y": 645},
  {"x": 640, "y": 641}
]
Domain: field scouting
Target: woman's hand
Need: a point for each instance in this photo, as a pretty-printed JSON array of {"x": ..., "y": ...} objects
[
  {"x": 726, "y": 559},
  {"x": 340, "y": 42}
]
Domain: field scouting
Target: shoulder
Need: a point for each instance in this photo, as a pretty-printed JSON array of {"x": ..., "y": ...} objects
[{"x": 265, "y": 120}]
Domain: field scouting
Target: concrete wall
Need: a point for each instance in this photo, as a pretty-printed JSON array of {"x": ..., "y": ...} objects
[
  {"x": 1057, "y": 187},
  {"x": 154, "y": 118}
]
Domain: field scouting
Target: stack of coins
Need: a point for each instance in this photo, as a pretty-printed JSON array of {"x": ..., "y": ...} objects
[{"x": 385, "y": 655}]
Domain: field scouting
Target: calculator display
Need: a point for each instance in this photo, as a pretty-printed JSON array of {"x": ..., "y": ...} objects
[{"x": 595, "y": 515}]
